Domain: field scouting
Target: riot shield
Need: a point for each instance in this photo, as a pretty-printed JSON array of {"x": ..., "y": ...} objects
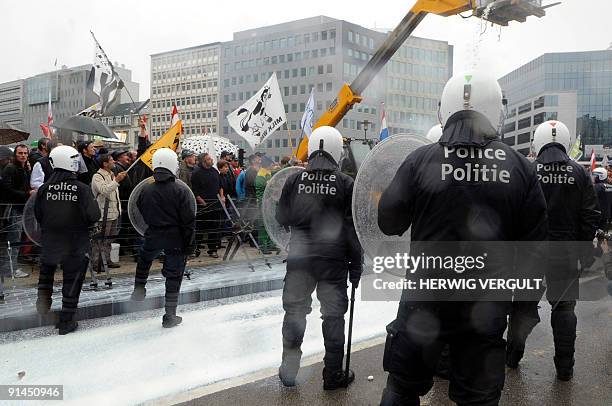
[
  {"x": 134, "y": 212},
  {"x": 374, "y": 176},
  {"x": 272, "y": 195}
]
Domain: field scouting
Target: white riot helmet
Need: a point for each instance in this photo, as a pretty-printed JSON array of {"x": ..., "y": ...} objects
[
  {"x": 551, "y": 131},
  {"x": 165, "y": 158},
  {"x": 64, "y": 157},
  {"x": 600, "y": 173},
  {"x": 476, "y": 91},
  {"x": 435, "y": 133},
  {"x": 329, "y": 139}
]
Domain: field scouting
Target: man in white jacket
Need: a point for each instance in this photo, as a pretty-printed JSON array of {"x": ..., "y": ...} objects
[{"x": 105, "y": 188}]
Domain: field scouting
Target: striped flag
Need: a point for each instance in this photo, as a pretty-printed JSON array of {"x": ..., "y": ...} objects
[
  {"x": 593, "y": 160},
  {"x": 384, "y": 131},
  {"x": 103, "y": 80}
]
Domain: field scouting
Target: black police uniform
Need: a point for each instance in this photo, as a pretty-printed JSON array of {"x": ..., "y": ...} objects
[
  {"x": 445, "y": 194},
  {"x": 66, "y": 210},
  {"x": 169, "y": 214},
  {"x": 316, "y": 205},
  {"x": 573, "y": 215}
]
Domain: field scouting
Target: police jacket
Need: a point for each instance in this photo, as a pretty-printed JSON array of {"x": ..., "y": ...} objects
[
  {"x": 573, "y": 208},
  {"x": 316, "y": 205},
  {"x": 467, "y": 187},
  {"x": 168, "y": 210},
  {"x": 65, "y": 205}
]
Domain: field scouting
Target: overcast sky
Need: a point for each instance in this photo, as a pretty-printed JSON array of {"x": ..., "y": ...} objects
[{"x": 36, "y": 33}]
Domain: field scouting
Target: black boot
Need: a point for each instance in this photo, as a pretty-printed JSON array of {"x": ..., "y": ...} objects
[
  {"x": 390, "y": 398},
  {"x": 565, "y": 369},
  {"x": 66, "y": 324},
  {"x": 337, "y": 379},
  {"x": 43, "y": 305},
  {"x": 514, "y": 354},
  {"x": 139, "y": 293},
  {"x": 171, "y": 320},
  {"x": 290, "y": 366}
]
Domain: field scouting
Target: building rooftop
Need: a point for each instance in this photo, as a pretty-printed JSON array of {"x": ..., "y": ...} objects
[{"x": 174, "y": 51}]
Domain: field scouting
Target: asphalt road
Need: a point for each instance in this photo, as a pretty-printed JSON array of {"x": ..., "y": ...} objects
[{"x": 534, "y": 383}]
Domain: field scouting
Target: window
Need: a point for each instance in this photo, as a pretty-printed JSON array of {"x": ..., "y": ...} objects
[
  {"x": 551, "y": 100},
  {"x": 323, "y": 35},
  {"x": 294, "y": 73},
  {"x": 320, "y": 69},
  {"x": 320, "y": 87},
  {"x": 524, "y": 123},
  {"x": 332, "y": 34},
  {"x": 350, "y": 36},
  {"x": 523, "y": 138},
  {"x": 315, "y": 36},
  {"x": 285, "y": 142},
  {"x": 538, "y": 118},
  {"x": 538, "y": 103},
  {"x": 286, "y": 90},
  {"x": 509, "y": 127},
  {"x": 277, "y": 143},
  {"x": 302, "y": 72},
  {"x": 306, "y": 38},
  {"x": 294, "y": 90},
  {"x": 328, "y": 86},
  {"x": 330, "y": 68},
  {"x": 524, "y": 108}
]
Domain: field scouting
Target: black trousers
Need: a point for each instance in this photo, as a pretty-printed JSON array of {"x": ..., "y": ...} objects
[
  {"x": 174, "y": 267},
  {"x": 474, "y": 332},
  {"x": 330, "y": 283},
  {"x": 71, "y": 252}
]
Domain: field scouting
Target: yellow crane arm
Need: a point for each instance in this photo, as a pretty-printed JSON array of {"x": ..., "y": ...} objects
[{"x": 349, "y": 95}]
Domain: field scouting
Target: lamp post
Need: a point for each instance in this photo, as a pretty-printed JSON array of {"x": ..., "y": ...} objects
[{"x": 365, "y": 124}]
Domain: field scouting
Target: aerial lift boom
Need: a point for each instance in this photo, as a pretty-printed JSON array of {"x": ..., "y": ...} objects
[{"x": 497, "y": 11}]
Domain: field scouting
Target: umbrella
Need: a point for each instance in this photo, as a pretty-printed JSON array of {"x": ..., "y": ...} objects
[
  {"x": 9, "y": 134},
  {"x": 86, "y": 125}
]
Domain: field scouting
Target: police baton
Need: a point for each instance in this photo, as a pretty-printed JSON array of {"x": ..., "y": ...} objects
[{"x": 350, "y": 332}]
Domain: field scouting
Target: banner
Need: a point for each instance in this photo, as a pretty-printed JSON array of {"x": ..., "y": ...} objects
[
  {"x": 169, "y": 140},
  {"x": 261, "y": 115}
]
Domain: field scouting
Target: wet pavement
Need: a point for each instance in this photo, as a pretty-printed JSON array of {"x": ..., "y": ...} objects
[{"x": 534, "y": 383}]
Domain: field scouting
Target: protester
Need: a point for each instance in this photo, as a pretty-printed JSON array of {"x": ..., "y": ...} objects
[
  {"x": 169, "y": 215},
  {"x": 323, "y": 252},
  {"x": 438, "y": 206},
  {"x": 105, "y": 188},
  {"x": 42, "y": 169},
  {"x": 39, "y": 152},
  {"x": 229, "y": 177},
  {"x": 65, "y": 209},
  {"x": 88, "y": 154},
  {"x": 187, "y": 166},
  {"x": 573, "y": 216},
  {"x": 16, "y": 178},
  {"x": 206, "y": 184},
  {"x": 126, "y": 186},
  {"x": 240, "y": 190}
]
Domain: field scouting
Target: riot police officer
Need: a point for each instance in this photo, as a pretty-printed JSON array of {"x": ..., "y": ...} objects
[
  {"x": 467, "y": 187},
  {"x": 66, "y": 210},
  {"x": 316, "y": 205},
  {"x": 573, "y": 216},
  {"x": 168, "y": 210}
]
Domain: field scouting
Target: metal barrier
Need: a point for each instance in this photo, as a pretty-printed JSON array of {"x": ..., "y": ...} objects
[{"x": 214, "y": 223}]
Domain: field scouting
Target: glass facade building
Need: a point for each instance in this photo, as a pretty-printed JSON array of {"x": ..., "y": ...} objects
[{"x": 548, "y": 84}]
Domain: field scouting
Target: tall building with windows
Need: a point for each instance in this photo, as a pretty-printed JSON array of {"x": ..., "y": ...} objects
[
  {"x": 11, "y": 102},
  {"x": 572, "y": 87},
  {"x": 189, "y": 79},
  {"x": 416, "y": 76},
  {"x": 318, "y": 54},
  {"x": 69, "y": 95}
]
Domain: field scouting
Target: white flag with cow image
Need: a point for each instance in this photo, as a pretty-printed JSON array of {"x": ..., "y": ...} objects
[{"x": 261, "y": 115}]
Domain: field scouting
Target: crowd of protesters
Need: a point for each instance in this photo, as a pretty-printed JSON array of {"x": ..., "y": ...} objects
[{"x": 23, "y": 171}]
